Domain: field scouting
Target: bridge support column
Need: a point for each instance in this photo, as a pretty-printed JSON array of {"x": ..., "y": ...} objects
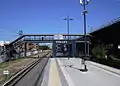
[
  {"x": 18, "y": 51},
  {"x": 54, "y": 49},
  {"x": 73, "y": 48},
  {"x": 9, "y": 53},
  {"x": 88, "y": 48},
  {"x": 25, "y": 49}
]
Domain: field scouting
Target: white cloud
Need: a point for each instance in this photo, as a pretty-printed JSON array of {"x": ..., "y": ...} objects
[{"x": 4, "y": 42}]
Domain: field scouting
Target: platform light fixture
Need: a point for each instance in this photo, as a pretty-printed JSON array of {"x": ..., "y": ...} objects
[{"x": 84, "y": 3}]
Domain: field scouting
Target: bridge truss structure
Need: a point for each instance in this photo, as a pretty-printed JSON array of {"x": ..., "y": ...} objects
[{"x": 20, "y": 44}]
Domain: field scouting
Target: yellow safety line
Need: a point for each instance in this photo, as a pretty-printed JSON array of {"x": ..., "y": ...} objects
[{"x": 54, "y": 78}]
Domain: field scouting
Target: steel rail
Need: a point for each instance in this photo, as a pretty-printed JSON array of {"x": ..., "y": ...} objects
[{"x": 17, "y": 77}]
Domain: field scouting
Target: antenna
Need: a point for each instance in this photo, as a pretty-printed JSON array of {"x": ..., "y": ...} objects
[{"x": 20, "y": 33}]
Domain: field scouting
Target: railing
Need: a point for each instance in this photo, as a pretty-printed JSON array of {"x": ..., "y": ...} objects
[
  {"x": 34, "y": 37},
  {"x": 108, "y": 24},
  {"x": 52, "y": 38}
]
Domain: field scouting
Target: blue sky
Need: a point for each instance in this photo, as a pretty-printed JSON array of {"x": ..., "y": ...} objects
[{"x": 46, "y": 16}]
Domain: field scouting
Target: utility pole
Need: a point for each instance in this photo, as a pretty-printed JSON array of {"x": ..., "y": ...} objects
[
  {"x": 84, "y": 3},
  {"x": 68, "y": 32}
]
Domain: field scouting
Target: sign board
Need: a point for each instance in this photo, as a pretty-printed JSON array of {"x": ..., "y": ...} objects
[
  {"x": 61, "y": 49},
  {"x": 6, "y": 72},
  {"x": 61, "y": 41},
  {"x": 58, "y": 37},
  {"x": 58, "y": 47}
]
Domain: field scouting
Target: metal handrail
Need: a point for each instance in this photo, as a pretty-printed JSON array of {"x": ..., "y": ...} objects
[{"x": 108, "y": 24}]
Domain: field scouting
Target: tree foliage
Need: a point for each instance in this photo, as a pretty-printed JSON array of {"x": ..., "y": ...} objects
[{"x": 99, "y": 51}]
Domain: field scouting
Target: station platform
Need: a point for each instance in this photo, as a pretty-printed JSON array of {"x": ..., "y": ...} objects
[{"x": 66, "y": 72}]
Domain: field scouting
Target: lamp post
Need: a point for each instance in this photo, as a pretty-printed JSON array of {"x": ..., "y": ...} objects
[
  {"x": 84, "y": 3},
  {"x": 68, "y": 19}
]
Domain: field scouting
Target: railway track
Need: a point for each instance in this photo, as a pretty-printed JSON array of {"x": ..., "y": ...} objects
[{"x": 30, "y": 75}]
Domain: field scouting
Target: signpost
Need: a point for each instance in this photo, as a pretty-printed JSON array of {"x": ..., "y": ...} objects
[{"x": 6, "y": 73}]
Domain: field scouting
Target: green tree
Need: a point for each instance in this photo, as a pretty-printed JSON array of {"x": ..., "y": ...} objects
[{"x": 99, "y": 51}]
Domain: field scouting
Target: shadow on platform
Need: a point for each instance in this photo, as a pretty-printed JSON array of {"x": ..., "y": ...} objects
[{"x": 72, "y": 66}]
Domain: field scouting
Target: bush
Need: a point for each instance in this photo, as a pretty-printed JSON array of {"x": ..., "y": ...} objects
[
  {"x": 98, "y": 55},
  {"x": 108, "y": 62},
  {"x": 99, "y": 51}
]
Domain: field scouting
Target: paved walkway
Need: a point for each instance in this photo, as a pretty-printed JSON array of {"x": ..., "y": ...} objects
[{"x": 70, "y": 69}]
